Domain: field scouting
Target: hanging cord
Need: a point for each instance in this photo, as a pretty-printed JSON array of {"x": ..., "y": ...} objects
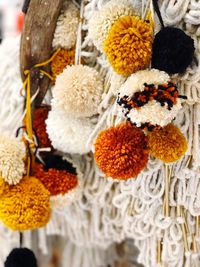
[
  {"x": 20, "y": 239},
  {"x": 28, "y": 118},
  {"x": 157, "y": 10}
]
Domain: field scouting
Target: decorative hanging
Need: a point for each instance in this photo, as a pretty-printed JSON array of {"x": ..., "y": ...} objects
[
  {"x": 120, "y": 152},
  {"x": 21, "y": 257}
]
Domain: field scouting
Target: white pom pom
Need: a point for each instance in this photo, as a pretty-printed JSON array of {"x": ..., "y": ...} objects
[{"x": 68, "y": 134}]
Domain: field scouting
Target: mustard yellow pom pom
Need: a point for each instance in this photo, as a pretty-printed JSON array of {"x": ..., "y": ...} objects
[
  {"x": 128, "y": 45},
  {"x": 24, "y": 206},
  {"x": 61, "y": 61},
  {"x": 167, "y": 144}
]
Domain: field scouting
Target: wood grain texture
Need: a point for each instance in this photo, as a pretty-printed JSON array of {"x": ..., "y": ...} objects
[{"x": 36, "y": 42}]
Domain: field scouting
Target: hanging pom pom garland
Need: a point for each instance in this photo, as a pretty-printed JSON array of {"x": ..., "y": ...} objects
[
  {"x": 102, "y": 20},
  {"x": 173, "y": 49},
  {"x": 149, "y": 98},
  {"x": 128, "y": 45},
  {"x": 12, "y": 156},
  {"x": 78, "y": 91},
  {"x": 39, "y": 125},
  {"x": 120, "y": 152},
  {"x": 68, "y": 134},
  {"x": 61, "y": 61},
  {"x": 24, "y": 206},
  {"x": 21, "y": 257},
  {"x": 167, "y": 144}
]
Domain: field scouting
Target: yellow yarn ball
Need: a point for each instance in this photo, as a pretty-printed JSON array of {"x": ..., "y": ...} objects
[
  {"x": 167, "y": 144},
  {"x": 25, "y": 206},
  {"x": 128, "y": 45}
]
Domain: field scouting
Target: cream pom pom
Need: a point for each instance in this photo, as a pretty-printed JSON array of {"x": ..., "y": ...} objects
[
  {"x": 148, "y": 98},
  {"x": 78, "y": 91},
  {"x": 135, "y": 83},
  {"x": 102, "y": 20},
  {"x": 12, "y": 153},
  {"x": 66, "y": 29},
  {"x": 68, "y": 134}
]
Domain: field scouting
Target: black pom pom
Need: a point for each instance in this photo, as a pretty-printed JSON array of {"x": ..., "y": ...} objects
[
  {"x": 173, "y": 50},
  {"x": 21, "y": 257}
]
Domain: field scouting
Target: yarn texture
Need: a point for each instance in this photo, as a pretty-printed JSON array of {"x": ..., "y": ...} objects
[
  {"x": 78, "y": 91},
  {"x": 102, "y": 20},
  {"x": 149, "y": 97},
  {"x": 40, "y": 115},
  {"x": 68, "y": 134},
  {"x": 25, "y": 206},
  {"x": 128, "y": 45},
  {"x": 173, "y": 50},
  {"x": 21, "y": 257},
  {"x": 61, "y": 61},
  {"x": 167, "y": 144},
  {"x": 67, "y": 24},
  {"x": 120, "y": 152},
  {"x": 12, "y": 154},
  {"x": 55, "y": 178}
]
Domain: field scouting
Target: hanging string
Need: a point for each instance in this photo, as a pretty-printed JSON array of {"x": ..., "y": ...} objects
[
  {"x": 157, "y": 9},
  {"x": 28, "y": 118}
]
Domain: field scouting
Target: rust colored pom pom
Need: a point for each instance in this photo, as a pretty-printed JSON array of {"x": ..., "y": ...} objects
[
  {"x": 61, "y": 61},
  {"x": 120, "y": 151},
  {"x": 40, "y": 116},
  {"x": 57, "y": 175},
  {"x": 167, "y": 144},
  {"x": 128, "y": 45}
]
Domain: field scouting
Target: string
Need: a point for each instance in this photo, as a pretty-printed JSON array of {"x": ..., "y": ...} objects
[
  {"x": 157, "y": 9},
  {"x": 28, "y": 117}
]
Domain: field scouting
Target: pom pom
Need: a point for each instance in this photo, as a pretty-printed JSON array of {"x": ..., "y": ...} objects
[
  {"x": 120, "y": 152},
  {"x": 78, "y": 91},
  {"x": 12, "y": 153},
  {"x": 101, "y": 21},
  {"x": 40, "y": 115},
  {"x": 147, "y": 97},
  {"x": 68, "y": 134},
  {"x": 61, "y": 61},
  {"x": 167, "y": 144},
  {"x": 128, "y": 45},
  {"x": 55, "y": 175},
  {"x": 67, "y": 25},
  {"x": 21, "y": 257},
  {"x": 25, "y": 206},
  {"x": 173, "y": 50}
]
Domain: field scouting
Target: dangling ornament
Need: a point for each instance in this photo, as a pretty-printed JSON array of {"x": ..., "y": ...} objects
[
  {"x": 148, "y": 98},
  {"x": 120, "y": 152},
  {"x": 25, "y": 206},
  {"x": 78, "y": 91},
  {"x": 21, "y": 257},
  {"x": 12, "y": 157},
  {"x": 173, "y": 49},
  {"x": 68, "y": 134},
  {"x": 128, "y": 45},
  {"x": 167, "y": 144}
]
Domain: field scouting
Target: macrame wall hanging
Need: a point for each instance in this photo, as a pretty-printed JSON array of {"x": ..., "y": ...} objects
[{"x": 100, "y": 141}]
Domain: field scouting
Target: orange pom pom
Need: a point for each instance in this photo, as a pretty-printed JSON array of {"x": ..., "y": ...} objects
[
  {"x": 56, "y": 181},
  {"x": 120, "y": 152},
  {"x": 167, "y": 144},
  {"x": 61, "y": 61},
  {"x": 39, "y": 125}
]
